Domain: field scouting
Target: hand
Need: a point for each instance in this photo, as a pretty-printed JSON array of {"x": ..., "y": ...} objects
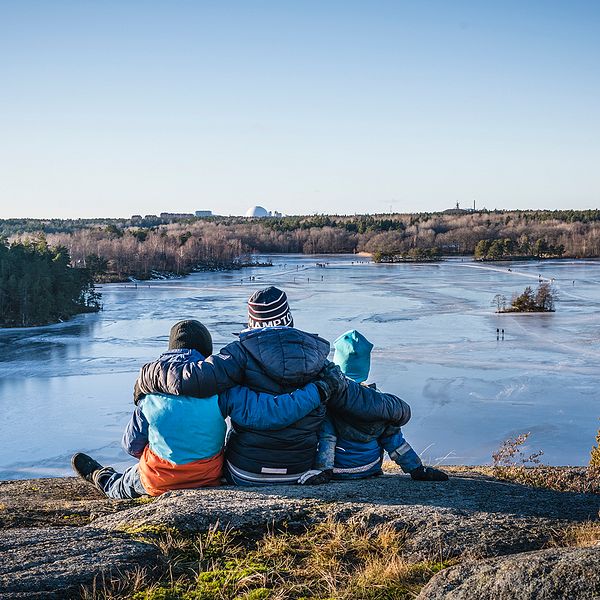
[
  {"x": 423, "y": 473},
  {"x": 331, "y": 382},
  {"x": 315, "y": 477}
]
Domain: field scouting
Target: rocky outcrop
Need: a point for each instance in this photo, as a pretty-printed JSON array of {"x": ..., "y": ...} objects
[
  {"x": 469, "y": 517},
  {"x": 567, "y": 573},
  {"x": 55, "y": 562},
  {"x": 474, "y": 516}
]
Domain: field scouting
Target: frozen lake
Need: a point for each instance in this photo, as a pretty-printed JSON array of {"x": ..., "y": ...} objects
[{"x": 68, "y": 387}]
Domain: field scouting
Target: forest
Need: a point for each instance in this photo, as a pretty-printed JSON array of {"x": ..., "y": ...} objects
[
  {"x": 38, "y": 285},
  {"x": 115, "y": 249}
]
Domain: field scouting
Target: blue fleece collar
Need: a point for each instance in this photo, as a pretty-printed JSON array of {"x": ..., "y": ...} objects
[{"x": 183, "y": 355}]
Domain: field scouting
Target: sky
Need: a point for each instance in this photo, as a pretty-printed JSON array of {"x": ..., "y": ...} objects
[{"x": 114, "y": 108}]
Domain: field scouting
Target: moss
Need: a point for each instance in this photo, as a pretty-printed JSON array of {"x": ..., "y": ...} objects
[
  {"x": 256, "y": 594},
  {"x": 159, "y": 593},
  {"x": 144, "y": 500},
  {"x": 229, "y": 578},
  {"x": 226, "y": 582}
]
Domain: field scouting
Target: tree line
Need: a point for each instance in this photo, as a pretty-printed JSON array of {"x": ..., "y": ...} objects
[
  {"x": 38, "y": 285},
  {"x": 116, "y": 249}
]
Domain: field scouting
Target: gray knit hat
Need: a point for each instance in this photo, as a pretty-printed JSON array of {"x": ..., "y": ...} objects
[
  {"x": 191, "y": 335},
  {"x": 269, "y": 308}
]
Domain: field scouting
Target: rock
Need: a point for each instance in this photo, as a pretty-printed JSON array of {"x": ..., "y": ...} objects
[
  {"x": 55, "y": 562},
  {"x": 565, "y": 573},
  {"x": 64, "y": 501},
  {"x": 469, "y": 516},
  {"x": 473, "y": 516}
]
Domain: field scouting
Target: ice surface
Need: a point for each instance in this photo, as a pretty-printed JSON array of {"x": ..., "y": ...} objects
[{"x": 68, "y": 387}]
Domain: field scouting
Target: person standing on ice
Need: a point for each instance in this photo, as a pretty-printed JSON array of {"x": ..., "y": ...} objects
[{"x": 354, "y": 449}]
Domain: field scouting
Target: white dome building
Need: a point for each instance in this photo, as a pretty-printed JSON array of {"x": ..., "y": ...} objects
[{"x": 257, "y": 211}]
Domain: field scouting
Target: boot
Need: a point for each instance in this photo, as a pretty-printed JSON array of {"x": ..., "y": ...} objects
[{"x": 84, "y": 466}]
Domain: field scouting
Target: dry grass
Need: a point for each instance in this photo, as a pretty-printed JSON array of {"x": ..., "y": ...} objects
[
  {"x": 583, "y": 535},
  {"x": 118, "y": 585},
  {"x": 332, "y": 560},
  {"x": 580, "y": 480},
  {"x": 595, "y": 455},
  {"x": 511, "y": 462}
]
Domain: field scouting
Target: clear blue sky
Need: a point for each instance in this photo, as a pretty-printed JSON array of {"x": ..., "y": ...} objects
[{"x": 114, "y": 108}]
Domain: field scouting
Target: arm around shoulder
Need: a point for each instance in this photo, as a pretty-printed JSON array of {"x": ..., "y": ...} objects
[
  {"x": 262, "y": 411},
  {"x": 214, "y": 375},
  {"x": 367, "y": 404}
]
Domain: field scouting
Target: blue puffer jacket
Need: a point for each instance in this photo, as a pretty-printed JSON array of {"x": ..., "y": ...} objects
[{"x": 273, "y": 360}]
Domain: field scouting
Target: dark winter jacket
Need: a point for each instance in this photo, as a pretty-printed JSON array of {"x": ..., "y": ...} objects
[{"x": 275, "y": 360}]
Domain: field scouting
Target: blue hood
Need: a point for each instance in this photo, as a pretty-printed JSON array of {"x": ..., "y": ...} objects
[{"x": 353, "y": 355}]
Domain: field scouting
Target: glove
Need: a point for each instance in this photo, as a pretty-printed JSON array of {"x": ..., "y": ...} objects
[
  {"x": 423, "y": 473},
  {"x": 315, "y": 477},
  {"x": 331, "y": 382}
]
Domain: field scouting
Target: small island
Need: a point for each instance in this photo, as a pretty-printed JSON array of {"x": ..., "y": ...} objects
[
  {"x": 412, "y": 255},
  {"x": 520, "y": 249},
  {"x": 542, "y": 300}
]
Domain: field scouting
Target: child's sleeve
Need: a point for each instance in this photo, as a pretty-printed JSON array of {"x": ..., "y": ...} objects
[
  {"x": 325, "y": 458},
  {"x": 135, "y": 437},
  {"x": 400, "y": 451},
  {"x": 262, "y": 411}
]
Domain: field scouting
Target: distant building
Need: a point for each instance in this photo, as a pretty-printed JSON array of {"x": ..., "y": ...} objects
[
  {"x": 203, "y": 213},
  {"x": 459, "y": 211},
  {"x": 260, "y": 212},
  {"x": 167, "y": 215},
  {"x": 257, "y": 211}
]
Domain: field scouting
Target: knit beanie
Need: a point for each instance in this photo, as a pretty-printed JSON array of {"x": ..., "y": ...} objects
[
  {"x": 353, "y": 355},
  {"x": 191, "y": 335},
  {"x": 269, "y": 308}
]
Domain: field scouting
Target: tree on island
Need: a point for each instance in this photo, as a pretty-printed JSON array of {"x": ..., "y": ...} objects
[
  {"x": 545, "y": 297},
  {"x": 505, "y": 249},
  {"x": 542, "y": 300},
  {"x": 499, "y": 301},
  {"x": 412, "y": 255}
]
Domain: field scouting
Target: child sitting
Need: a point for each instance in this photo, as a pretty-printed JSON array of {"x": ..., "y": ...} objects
[
  {"x": 355, "y": 450},
  {"x": 179, "y": 440}
]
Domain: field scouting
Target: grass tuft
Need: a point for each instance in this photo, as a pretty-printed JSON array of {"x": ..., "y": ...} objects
[
  {"x": 583, "y": 535},
  {"x": 332, "y": 560}
]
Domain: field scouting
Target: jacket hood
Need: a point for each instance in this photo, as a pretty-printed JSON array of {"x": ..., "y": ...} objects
[
  {"x": 182, "y": 355},
  {"x": 286, "y": 355}
]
